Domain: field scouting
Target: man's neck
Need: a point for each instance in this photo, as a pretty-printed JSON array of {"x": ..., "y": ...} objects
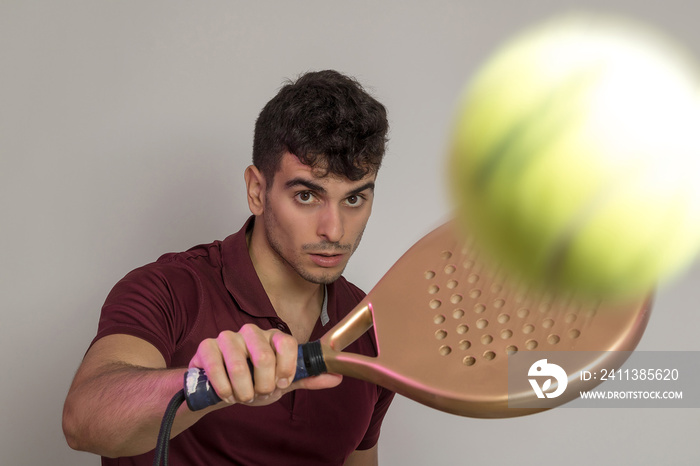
[{"x": 296, "y": 301}]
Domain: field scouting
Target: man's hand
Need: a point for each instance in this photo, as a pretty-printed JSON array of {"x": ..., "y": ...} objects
[
  {"x": 273, "y": 354},
  {"x": 119, "y": 394}
]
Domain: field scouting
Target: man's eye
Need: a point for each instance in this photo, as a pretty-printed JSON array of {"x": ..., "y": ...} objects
[
  {"x": 305, "y": 197},
  {"x": 354, "y": 200}
]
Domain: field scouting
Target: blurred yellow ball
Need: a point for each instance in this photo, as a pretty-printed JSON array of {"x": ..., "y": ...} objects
[{"x": 576, "y": 156}]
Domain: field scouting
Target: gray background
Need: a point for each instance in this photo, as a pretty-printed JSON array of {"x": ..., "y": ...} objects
[{"x": 125, "y": 127}]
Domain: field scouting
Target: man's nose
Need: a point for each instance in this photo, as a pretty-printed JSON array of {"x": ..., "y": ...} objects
[{"x": 330, "y": 224}]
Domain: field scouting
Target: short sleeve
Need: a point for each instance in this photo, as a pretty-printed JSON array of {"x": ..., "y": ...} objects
[
  {"x": 380, "y": 409},
  {"x": 155, "y": 303}
]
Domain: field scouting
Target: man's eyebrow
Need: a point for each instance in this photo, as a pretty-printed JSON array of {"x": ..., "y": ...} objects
[
  {"x": 310, "y": 185},
  {"x": 359, "y": 189},
  {"x": 294, "y": 182}
]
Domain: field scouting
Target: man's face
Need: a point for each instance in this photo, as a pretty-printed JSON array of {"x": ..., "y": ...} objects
[{"x": 314, "y": 223}]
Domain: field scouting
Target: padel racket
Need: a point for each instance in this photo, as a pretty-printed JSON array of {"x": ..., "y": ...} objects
[{"x": 446, "y": 325}]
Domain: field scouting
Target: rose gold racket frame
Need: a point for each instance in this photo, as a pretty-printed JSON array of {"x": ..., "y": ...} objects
[{"x": 446, "y": 324}]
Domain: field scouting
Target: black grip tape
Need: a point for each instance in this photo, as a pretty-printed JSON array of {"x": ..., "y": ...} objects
[{"x": 313, "y": 358}]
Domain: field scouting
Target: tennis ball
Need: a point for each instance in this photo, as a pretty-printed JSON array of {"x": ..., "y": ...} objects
[{"x": 576, "y": 153}]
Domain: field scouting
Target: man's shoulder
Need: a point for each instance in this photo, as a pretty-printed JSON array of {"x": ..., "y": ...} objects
[
  {"x": 206, "y": 255},
  {"x": 179, "y": 271}
]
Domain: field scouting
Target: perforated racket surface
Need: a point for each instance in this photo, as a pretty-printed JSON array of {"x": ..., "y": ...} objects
[{"x": 446, "y": 326}]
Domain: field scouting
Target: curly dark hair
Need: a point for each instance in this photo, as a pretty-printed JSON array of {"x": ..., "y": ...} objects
[{"x": 327, "y": 120}]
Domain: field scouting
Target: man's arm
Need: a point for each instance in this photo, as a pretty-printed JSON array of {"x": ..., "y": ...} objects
[
  {"x": 122, "y": 388},
  {"x": 118, "y": 397},
  {"x": 368, "y": 457}
]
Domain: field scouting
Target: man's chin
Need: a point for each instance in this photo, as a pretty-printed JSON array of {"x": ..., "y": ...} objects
[{"x": 322, "y": 278}]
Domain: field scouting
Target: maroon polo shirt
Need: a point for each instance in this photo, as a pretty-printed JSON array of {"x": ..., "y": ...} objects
[{"x": 183, "y": 298}]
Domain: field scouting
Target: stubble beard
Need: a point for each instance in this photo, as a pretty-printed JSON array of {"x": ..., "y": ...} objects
[{"x": 271, "y": 226}]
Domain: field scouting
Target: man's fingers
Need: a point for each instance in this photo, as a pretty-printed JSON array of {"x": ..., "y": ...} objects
[
  {"x": 235, "y": 356},
  {"x": 264, "y": 356},
  {"x": 273, "y": 354},
  {"x": 210, "y": 358},
  {"x": 286, "y": 349}
]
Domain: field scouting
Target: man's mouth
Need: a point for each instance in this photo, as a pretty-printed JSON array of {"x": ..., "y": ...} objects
[{"x": 324, "y": 259}]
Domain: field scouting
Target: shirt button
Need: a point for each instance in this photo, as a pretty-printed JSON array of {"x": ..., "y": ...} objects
[{"x": 280, "y": 325}]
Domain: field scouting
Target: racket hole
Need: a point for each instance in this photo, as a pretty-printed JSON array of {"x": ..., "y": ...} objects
[
  {"x": 462, "y": 329},
  {"x": 438, "y": 319},
  {"x": 446, "y": 255},
  {"x": 435, "y": 303},
  {"x": 445, "y": 350},
  {"x": 506, "y": 334},
  {"x": 486, "y": 339},
  {"x": 548, "y": 323},
  {"x": 468, "y": 264},
  {"x": 474, "y": 294},
  {"x": 503, "y": 318},
  {"x": 574, "y": 334},
  {"x": 531, "y": 344},
  {"x": 553, "y": 339},
  {"x": 429, "y": 275},
  {"x": 489, "y": 355},
  {"x": 522, "y": 313},
  {"x": 496, "y": 288},
  {"x": 544, "y": 307},
  {"x": 456, "y": 298},
  {"x": 590, "y": 312},
  {"x": 482, "y": 323},
  {"x": 473, "y": 278},
  {"x": 529, "y": 328},
  {"x": 452, "y": 284},
  {"x": 458, "y": 313},
  {"x": 570, "y": 318},
  {"x": 479, "y": 308},
  {"x": 512, "y": 349},
  {"x": 465, "y": 344},
  {"x": 450, "y": 269},
  {"x": 499, "y": 303},
  {"x": 433, "y": 289},
  {"x": 469, "y": 361},
  {"x": 441, "y": 334}
]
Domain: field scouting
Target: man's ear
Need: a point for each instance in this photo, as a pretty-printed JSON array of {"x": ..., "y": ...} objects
[{"x": 255, "y": 188}]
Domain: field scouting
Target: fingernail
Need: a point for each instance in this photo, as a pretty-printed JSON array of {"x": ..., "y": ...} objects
[
  {"x": 283, "y": 383},
  {"x": 230, "y": 400}
]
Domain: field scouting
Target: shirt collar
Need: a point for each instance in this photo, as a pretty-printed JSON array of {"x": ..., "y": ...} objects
[
  {"x": 242, "y": 281},
  {"x": 240, "y": 277}
]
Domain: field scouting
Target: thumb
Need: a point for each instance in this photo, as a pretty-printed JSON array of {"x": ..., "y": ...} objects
[{"x": 318, "y": 382}]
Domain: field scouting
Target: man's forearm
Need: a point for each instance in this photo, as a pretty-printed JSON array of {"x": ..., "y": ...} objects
[{"x": 118, "y": 411}]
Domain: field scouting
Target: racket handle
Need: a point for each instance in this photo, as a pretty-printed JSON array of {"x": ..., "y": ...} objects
[{"x": 199, "y": 393}]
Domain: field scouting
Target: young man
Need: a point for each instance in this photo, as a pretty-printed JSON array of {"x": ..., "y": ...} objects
[{"x": 255, "y": 295}]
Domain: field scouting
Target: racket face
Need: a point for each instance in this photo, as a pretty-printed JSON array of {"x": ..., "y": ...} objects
[{"x": 446, "y": 326}]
